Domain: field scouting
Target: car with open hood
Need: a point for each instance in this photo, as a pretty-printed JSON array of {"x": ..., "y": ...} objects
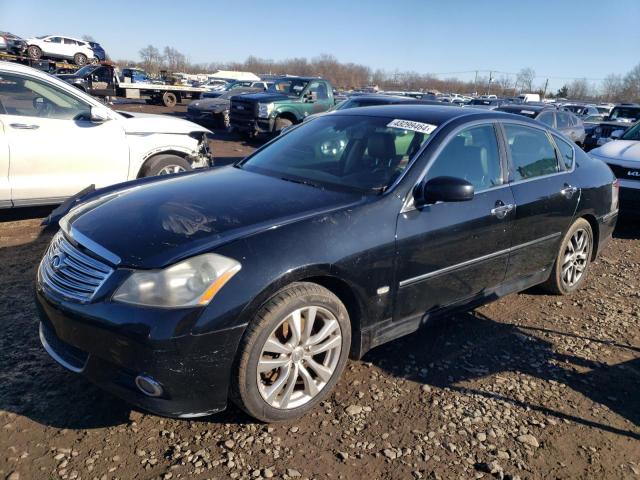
[
  {"x": 255, "y": 282},
  {"x": 58, "y": 140},
  {"x": 623, "y": 157}
]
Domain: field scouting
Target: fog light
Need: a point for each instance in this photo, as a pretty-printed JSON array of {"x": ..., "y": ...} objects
[{"x": 148, "y": 386}]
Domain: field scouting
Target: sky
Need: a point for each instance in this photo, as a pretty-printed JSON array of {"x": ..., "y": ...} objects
[{"x": 560, "y": 39}]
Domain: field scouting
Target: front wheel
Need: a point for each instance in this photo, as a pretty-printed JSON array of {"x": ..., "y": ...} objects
[
  {"x": 165, "y": 164},
  {"x": 34, "y": 52},
  {"x": 574, "y": 258},
  {"x": 292, "y": 354}
]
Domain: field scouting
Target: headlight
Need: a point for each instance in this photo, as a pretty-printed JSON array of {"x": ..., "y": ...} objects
[
  {"x": 191, "y": 282},
  {"x": 597, "y": 130},
  {"x": 265, "y": 109}
]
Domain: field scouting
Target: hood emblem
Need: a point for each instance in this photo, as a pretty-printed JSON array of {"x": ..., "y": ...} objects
[
  {"x": 633, "y": 173},
  {"x": 239, "y": 107},
  {"x": 57, "y": 261}
]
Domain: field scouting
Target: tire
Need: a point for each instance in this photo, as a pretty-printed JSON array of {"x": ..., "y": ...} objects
[
  {"x": 94, "y": 61},
  {"x": 224, "y": 120},
  {"x": 272, "y": 395},
  {"x": 570, "y": 269},
  {"x": 282, "y": 123},
  {"x": 34, "y": 52},
  {"x": 80, "y": 59},
  {"x": 165, "y": 164},
  {"x": 169, "y": 99}
]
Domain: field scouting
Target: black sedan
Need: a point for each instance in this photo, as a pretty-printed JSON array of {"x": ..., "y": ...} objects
[
  {"x": 256, "y": 282},
  {"x": 213, "y": 107},
  {"x": 565, "y": 122}
]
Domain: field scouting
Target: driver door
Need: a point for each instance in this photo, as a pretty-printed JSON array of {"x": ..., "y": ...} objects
[{"x": 54, "y": 149}]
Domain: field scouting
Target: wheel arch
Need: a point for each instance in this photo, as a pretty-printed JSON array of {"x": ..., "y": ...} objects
[
  {"x": 595, "y": 229},
  {"x": 289, "y": 115},
  {"x": 320, "y": 275},
  {"x": 151, "y": 156}
]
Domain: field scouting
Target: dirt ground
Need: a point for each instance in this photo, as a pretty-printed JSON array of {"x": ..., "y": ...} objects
[{"x": 532, "y": 387}]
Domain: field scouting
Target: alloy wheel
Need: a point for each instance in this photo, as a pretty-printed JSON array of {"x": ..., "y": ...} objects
[
  {"x": 576, "y": 257},
  {"x": 169, "y": 169},
  {"x": 299, "y": 357}
]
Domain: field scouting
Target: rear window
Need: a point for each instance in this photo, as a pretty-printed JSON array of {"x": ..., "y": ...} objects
[
  {"x": 630, "y": 114},
  {"x": 520, "y": 111}
]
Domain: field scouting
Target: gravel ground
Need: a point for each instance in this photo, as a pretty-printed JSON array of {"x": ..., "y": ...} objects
[{"x": 531, "y": 386}]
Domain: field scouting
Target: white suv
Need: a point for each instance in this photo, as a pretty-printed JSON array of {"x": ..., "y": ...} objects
[
  {"x": 55, "y": 141},
  {"x": 56, "y": 46}
]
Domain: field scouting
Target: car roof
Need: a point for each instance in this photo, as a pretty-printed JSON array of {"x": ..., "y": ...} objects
[
  {"x": 436, "y": 114},
  {"x": 382, "y": 97},
  {"x": 293, "y": 77},
  {"x": 525, "y": 106}
]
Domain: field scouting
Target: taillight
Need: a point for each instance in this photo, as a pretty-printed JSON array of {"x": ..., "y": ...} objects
[{"x": 615, "y": 194}]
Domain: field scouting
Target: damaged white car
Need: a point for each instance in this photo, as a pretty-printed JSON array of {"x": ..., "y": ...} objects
[{"x": 56, "y": 141}]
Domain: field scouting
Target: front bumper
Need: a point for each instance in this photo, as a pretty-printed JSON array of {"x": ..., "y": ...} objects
[
  {"x": 257, "y": 125},
  {"x": 630, "y": 198},
  {"x": 112, "y": 344}
]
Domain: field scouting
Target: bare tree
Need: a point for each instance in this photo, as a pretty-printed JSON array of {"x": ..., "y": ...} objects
[
  {"x": 151, "y": 59},
  {"x": 612, "y": 88},
  {"x": 525, "y": 79}
]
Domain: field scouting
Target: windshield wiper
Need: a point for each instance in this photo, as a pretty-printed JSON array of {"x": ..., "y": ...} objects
[{"x": 303, "y": 182}]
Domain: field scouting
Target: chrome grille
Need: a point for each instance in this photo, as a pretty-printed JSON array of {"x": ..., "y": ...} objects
[{"x": 71, "y": 273}]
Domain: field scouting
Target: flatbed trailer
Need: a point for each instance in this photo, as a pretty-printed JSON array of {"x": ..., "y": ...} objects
[
  {"x": 45, "y": 65},
  {"x": 104, "y": 81}
]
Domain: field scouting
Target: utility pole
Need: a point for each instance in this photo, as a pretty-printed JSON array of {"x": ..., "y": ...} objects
[
  {"x": 475, "y": 84},
  {"x": 490, "y": 79},
  {"x": 546, "y": 84}
]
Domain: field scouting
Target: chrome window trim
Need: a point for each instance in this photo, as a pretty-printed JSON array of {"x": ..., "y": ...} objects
[
  {"x": 466, "y": 263},
  {"x": 408, "y": 204}
]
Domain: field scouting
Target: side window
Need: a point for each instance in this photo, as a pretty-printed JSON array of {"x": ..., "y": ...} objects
[
  {"x": 68, "y": 41},
  {"x": 318, "y": 91},
  {"x": 564, "y": 119},
  {"x": 566, "y": 152},
  {"x": 55, "y": 40},
  {"x": 472, "y": 154},
  {"x": 546, "y": 118},
  {"x": 30, "y": 98},
  {"x": 531, "y": 152}
]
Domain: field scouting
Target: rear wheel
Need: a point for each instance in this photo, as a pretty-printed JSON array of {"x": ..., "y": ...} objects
[
  {"x": 80, "y": 59},
  {"x": 165, "y": 165},
  {"x": 169, "y": 99},
  {"x": 293, "y": 353},
  {"x": 34, "y": 52},
  {"x": 574, "y": 258}
]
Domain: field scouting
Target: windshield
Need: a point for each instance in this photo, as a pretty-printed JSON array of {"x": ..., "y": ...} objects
[
  {"x": 633, "y": 133},
  {"x": 292, "y": 87},
  {"x": 86, "y": 70},
  {"x": 574, "y": 108},
  {"x": 629, "y": 114},
  {"x": 351, "y": 152},
  {"x": 520, "y": 111},
  {"x": 362, "y": 102},
  {"x": 604, "y": 110}
]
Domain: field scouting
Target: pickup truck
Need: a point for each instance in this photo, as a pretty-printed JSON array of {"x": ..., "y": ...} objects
[
  {"x": 619, "y": 120},
  {"x": 287, "y": 102},
  {"x": 104, "y": 80}
]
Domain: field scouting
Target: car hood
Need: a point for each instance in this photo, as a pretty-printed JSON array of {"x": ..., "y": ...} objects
[
  {"x": 157, "y": 224},
  {"x": 267, "y": 97},
  {"x": 135, "y": 123},
  {"x": 619, "y": 149},
  {"x": 209, "y": 103}
]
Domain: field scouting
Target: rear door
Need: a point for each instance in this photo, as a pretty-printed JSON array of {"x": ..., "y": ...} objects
[
  {"x": 449, "y": 252},
  {"x": 545, "y": 195}
]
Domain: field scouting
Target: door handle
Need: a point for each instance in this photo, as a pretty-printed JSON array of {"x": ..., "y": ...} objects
[
  {"x": 568, "y": 191},
  {"x": 24, "y": 126},
  {"x": 501, "y": 211}
]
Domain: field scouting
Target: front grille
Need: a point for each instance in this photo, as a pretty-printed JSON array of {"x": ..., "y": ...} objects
[
  {"x": 625, "y": 173},
  {"x": 243, "y": 111},
  {"x": 67, "y": 355},
  {"x": 71, "y": 273}
]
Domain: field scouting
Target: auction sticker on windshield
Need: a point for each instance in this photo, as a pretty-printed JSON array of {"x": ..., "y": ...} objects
[{"x": 411, "y": 125}]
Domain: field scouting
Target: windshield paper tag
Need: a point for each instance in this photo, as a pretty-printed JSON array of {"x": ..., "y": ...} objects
[{"x": 410, "y": 125}]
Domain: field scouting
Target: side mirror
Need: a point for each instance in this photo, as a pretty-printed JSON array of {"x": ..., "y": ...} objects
[
  {"x": 617, "y": 134},
  {"x": 442, "y": 189},
  {"x": 99, "y": 115}
]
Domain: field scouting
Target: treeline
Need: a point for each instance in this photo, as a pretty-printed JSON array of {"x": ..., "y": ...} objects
[{"x": 349, "y": 76}]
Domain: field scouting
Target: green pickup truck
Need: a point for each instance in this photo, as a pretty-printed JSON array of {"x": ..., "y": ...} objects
[{"x": 287, "y": 102}]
